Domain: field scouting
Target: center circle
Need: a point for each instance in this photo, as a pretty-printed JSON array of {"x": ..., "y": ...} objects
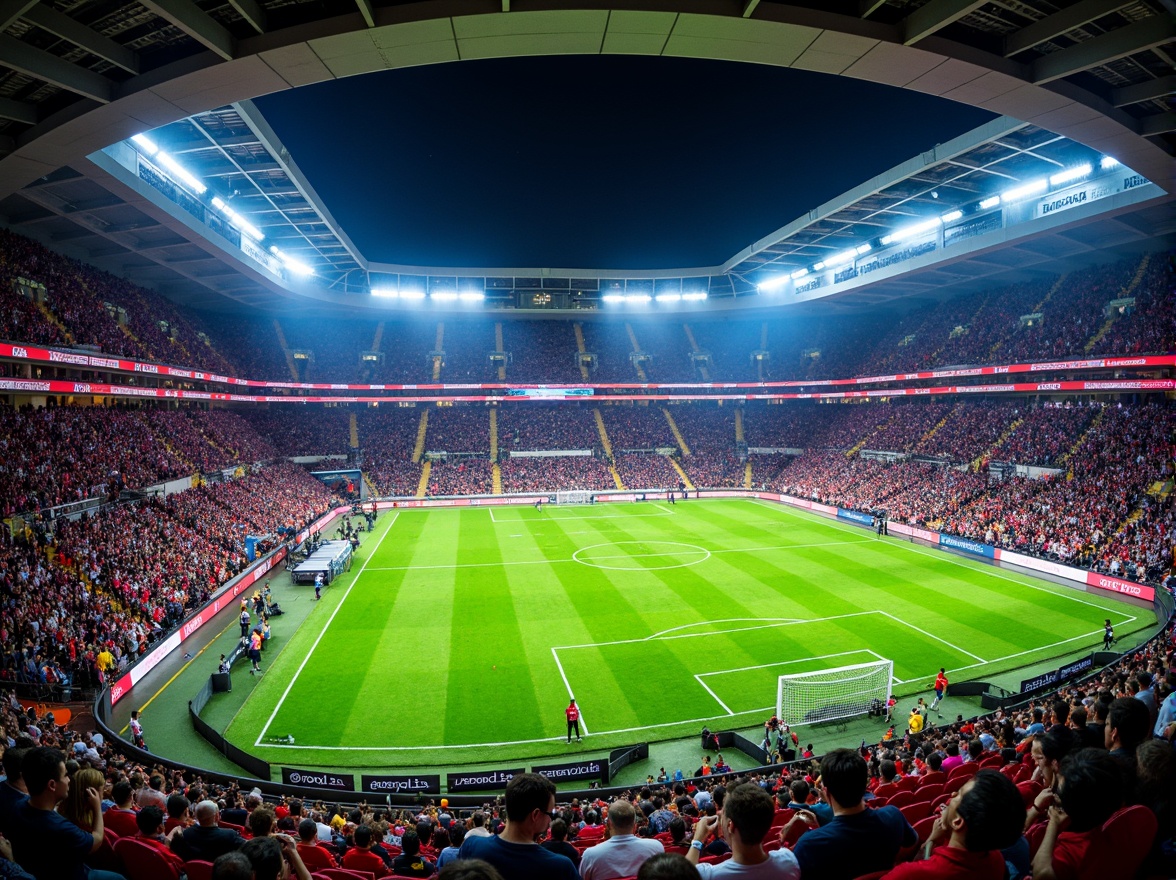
[{"x": 641, "y": 555}]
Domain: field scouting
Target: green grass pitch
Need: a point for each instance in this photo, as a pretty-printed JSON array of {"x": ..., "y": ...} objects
[{"x": 461, "y": 632}]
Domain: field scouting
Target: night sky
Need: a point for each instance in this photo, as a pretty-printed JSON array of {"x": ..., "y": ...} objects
[{"x": 593, "y": 162}]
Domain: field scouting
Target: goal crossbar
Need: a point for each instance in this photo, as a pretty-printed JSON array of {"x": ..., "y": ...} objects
[{"x": 835, "y": 693}]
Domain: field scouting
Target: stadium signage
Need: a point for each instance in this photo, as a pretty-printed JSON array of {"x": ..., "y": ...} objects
[
  {"x": 480, "y": 780},
  {"x": 1057, "y": 676},
  {"x": 576, "y": 770},
  {"x": 400, "y": 784},
  {"x": 333, "y": 781},
  {"x": 966, "y": 546},
  {"x": 855, "y": 516},
  {"x": 1117, "y": 585}
]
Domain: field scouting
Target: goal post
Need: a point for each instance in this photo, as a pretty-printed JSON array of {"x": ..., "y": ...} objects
[
  {"x": 833, "y": 694},
  {"x": 573, "y": 496}
]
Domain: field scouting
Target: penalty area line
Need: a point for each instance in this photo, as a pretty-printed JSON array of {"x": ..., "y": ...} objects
[{"x": 567, "y": 684}]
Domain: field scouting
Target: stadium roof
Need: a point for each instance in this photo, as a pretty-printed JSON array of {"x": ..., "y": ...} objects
[{"x": 82, "y": 77}]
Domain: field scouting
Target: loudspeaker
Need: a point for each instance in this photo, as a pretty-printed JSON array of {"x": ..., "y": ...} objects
[{"x": 222, "y": 683}]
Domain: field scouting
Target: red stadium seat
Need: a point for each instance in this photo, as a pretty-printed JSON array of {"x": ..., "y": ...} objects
[
  {"x": 105, "y": 858},
  {"x": 142, "y": 862},
  {"x": 901, "y": 799},
  {"x": 908, "y": 783},
  {"x": 963, "y": 770},
  {"x": 1029, "y": 791},
  {"x": 198, "y": 870},
  {"x": 923, "y": 828},
  {"x": 954, "y": 785},
  {"x": 942, "y": 799},
  {"x": 993, "y": 761},
  {"x": 932, "y": 778},
  {"x": 914, "y": 812}
]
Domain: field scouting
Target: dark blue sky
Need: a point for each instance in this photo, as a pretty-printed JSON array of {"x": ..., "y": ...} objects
[{"x": 593, "y": 161}]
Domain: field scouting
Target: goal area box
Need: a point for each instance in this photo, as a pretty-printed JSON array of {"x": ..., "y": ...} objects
[{"x": 833, "y": 694}]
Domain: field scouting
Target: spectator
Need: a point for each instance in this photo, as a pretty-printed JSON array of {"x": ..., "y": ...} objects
[
  {"x": 982, "y": 818},
  {"x": 205, "y": 840},
  {"x": 858, "y": 840},
  {"x": 745, "y": 820},
  {"x": 530, "y": 802},
  {"x": 1091, "y": 790},
  {"x": 361, "y": 858},
  {"x": 623, "y": 852}
]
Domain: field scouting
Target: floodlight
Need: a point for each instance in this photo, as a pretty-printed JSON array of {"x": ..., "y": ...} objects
[
  {"x": 180, "y": 171},
  {"x": 990, "y": 202},
  {"x": 1024, "y": 191},
  {"x": 842, "y": 259},
  {"x": 864, "y": 248},
  {"x": 443, "y": 295},
  {"x": 471, "y": 296},
  {"x": 818, "y": 266},
  {"x": 668, "y": 297},
  {"x": 912, "y": 230},
  {"x": 218, "y": 203},
  {"x": 638, "y": 298},
  {"x": 411, "y": 293},
  {"x": 387, "y": 292},
  {"x": 952, "y": 216},
  {"x": 297, "y": 266},
  {"x": 1070, "y": 174},
  {"x": 694, "y": 297},
  {"x": 613, "y": 297},
  {"x": 1108, "y": 163},
  {"x": 148, "y": 145},
  {"x": 798, "y": 274},
  {"x": 773, "y": 283}
]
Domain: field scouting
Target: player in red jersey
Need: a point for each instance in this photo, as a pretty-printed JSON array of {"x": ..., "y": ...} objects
[
  {"x": 940, "y": 690},
  {"x": 572, "y": 713}
]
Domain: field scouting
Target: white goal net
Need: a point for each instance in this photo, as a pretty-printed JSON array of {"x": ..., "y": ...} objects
[
  {"x": 833, "y": 694},
  {"x": 576, "y": 496}
]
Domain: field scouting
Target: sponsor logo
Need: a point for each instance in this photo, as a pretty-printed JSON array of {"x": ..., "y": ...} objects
[
  {"x": 1126, "y": 362},
  {"x": 19, "y": 352},
  {"x": 1000, "y": 369},
  {"x": 184, "y": 374},
  {"x": 110, "y": 363},
  {"x": 192, "y": 625},
  {"x": 116, "y": 693},
  {"x": 81, "y": 388},
  {"x": 1134, "y": 180},
  {"x": 1049, "y": 386},
  {"x": 146, "y": 368},
  {"x": 401, "y": 783},
  {"x": 1119, "y": 586},
  {"x": 23, "y": 385},
  {"x": 1066, "y": 201},
  {"x": 482, "y": 780},
  {"x": 323, "y": 780},
  {"x": 65, "y": 358},
  {"x": 571, "y": 771}
]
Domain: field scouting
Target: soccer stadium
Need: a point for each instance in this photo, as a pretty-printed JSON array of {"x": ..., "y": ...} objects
[{"x": 511, "y": 439}]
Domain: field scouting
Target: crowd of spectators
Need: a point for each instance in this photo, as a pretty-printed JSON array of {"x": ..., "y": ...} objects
[
  {"x": 529, "y": 427},
  {"x": 565, "y": 472},
  {"x": 640, "y": 470},
  {"x": 293, "y": 431},
  {"x": 463, "y": 476}
]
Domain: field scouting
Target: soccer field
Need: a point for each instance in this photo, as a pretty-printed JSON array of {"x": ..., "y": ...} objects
[{"x": 461, "y": 632}]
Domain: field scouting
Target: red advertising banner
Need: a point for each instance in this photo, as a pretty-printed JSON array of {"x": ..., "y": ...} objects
[{"x": 37, "y": 354}]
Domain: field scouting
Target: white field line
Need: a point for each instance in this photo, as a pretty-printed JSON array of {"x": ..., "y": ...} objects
[
  {"x": 572, "y": 514},
  {"x": 724, "y": 620},
  {"x": 571, "y": 696},
  {"x": 455, "y": 565},
  {"x": 990, "y": 570},
  {"x": 932, "y": 636},
  {"x": 706, "y": 687},
  {"x": 877, "y": 656},
  {"x": 310, "y": 653}
]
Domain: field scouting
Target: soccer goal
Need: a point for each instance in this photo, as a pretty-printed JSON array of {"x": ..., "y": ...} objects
[
  {"x": 833, "y": 694},
  {"x": 576, "y": 496}
]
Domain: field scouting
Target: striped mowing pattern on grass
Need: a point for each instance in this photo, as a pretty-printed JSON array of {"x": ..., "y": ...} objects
[{"x": 465, "y": 630}]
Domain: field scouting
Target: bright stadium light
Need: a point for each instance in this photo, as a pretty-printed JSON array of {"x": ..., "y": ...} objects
[
  {"x": 411, "y": 293},
  {"x": 952, "y": 216},
  {"x": 471, "y": 296},
  {"x": 697, "y": 296},
  {"x": 842, "y": 259},
  {"x": 296, "y": 266},
  {"x": 385, "y": 292},
  {"x": 613, "y": 297},
  {"x": 1070, "y": 174},
  {"x": 1108, "y": 162},
  {"x": 1023, "y": 192},
  {"x": 819, "y": 265},
  {"x": 180, "y": 171},
  {"x": 990, "y": 202},
  {"x": 798, "y": 274},
  {"x": 863, "y": 248},
  {"x": 149, "y": 146},
  {"x": 912, "y": 230},
  {"x": 668, "y": 297},
  {"x": 771, "y": 284},
  {"x": 444, "y": 295},
  {"x": 638, "y": 298}
]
